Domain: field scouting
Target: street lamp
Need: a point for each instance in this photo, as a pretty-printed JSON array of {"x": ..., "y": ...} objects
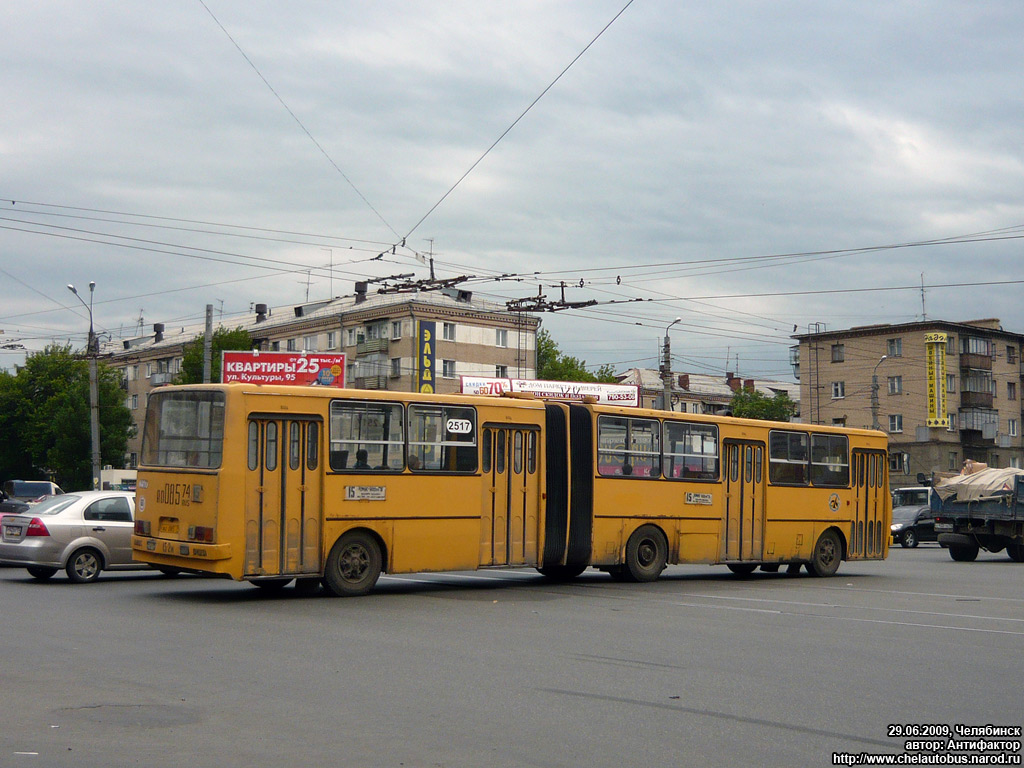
[
  {"x": 666, "y": 366},
  {"x": 92, "y": 352},
  {"x": 874, "y": 392}
]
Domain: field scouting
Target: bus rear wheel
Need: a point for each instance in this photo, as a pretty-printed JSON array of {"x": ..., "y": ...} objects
[
  {"x": 1016, "y": 552},
  {"x": 561, "y": 572},
  {"x": 646, "y": 554},
  {"x": 828, "y": 552},
  {"x": 742, "y": 569},
  {"x": 353, "y": 565}
]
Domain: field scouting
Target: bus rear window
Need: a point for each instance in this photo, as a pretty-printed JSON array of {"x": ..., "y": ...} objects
[{"x": 184, "y": 428}]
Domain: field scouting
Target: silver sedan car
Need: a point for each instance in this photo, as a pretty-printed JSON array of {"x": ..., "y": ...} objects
[{"x": 82, "y": 533}]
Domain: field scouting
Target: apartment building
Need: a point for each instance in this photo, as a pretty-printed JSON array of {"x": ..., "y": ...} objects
[
  {"x": 944, "y": 391},
  {"x": 701, "y": 392},
  {"x": 376, "y": 332}
]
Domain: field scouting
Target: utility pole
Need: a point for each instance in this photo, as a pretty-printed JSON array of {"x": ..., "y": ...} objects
[
  {"x": 874, "y": 393},
  {"x": 94, "y": 393},
  {"x": 666, "y": 366},
  {"x": 208, "y": 344}
]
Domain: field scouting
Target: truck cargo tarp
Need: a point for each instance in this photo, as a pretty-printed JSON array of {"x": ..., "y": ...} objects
[{"x": 979, "y": 485}]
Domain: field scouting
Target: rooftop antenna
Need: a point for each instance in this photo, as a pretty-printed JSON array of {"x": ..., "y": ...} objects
[
  {"x": 142, "y": 322},
  {"x": 924, "y": 312}
]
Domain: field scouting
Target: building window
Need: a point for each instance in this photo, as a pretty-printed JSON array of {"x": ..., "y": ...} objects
[
  {"x": 896, "y": 422},
  {"x": 975, "y": 346},
  {"x": 994, "y": 461},
  {"x": 351, "y": 338},
  {"x": 396, "y": 366},
  {"x": 448, "y": 332},
  {"x": 895, "y": 347},
  {"x": 501, "y": 371},
  {"x": 951, "y": 382},
  {"x": 899, "y": 463},
  {"x": 952, "y": 422},
  {"x": 135, "y": 402},
  {"x": 895, "y": 385},
  {"x": 133, "y": 372},
  {"x": 448, "y": 369},
  {"x": 1011, "y": 354},
  {"x": 293, "y": 345},
  {"x": 501, "y": 337},
  {"x": 396, "y": 329},
  {"x": 951, "y": 345},
  {"x": 838, "y": 353},
  {"x": 1015, "y": 462},
  {"x": 1012, "y": 427},
  {"x": 839, "y": 421},
  {"x": 838, "y": 389},
  {"x": 275, "y": 346},
  {"x": 309, "y": 343},
  {"x": 1011, "y": 390},
  {"x": 954, "y": 461},
  {"x": 149, "y": 370},
  {"x": 332, "y": 340}
]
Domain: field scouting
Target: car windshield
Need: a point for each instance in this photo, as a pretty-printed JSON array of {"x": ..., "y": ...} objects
[
  {"x": 29, "y": 489},
  {"x": 53, "y": 505}
]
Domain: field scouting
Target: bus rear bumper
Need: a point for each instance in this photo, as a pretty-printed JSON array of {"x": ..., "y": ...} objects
[{"x": 146, "y": 545}]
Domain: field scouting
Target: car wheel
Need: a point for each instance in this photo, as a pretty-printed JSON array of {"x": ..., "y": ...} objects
[
  {"x": 646, "y": 554},
  {"x": 353, "y": 565},
  {"x": 828, "y": 552},
  {"x": 963, "y": 553},
  {"x": 909, "y": 538},
  {"x": 41, "y": 572},
  {"x": 84, "y": 565}
]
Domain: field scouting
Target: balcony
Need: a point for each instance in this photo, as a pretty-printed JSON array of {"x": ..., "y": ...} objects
[
  {"x": 974, "y": 360},
  {"x": 976, "y": 399},
  {"x": 369, "y": 346},
  {"x": 372, "y": 382},
  {"x": 159, "y": 379}
]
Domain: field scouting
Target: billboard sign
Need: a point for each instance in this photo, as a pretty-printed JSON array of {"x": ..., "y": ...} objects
[
  {"x": 606, "y": 394},
  {"x": 307, "y": 369},
  {"x": 425, "y": 355},
  {"x": 935, "y": 360}
]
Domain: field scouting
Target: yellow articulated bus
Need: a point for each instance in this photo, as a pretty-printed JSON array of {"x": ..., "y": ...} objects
[{"x": 273, "y": 483}]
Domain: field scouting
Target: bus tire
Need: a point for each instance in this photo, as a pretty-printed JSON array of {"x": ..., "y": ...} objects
[
  {"x": 793, "y": 569},
  {"x": 1016, "y": 552},
  {"x": 963, "y": 553},
  {"x": 271, "y": 585},
  {"x": 770, "y": 567},
  {"x": 646, "y": 554},
  {"x": 307, "y": 585},
  {"x": 353, "y": 565},
  {"x": 828, "y": 552},
  {"x": 561, "y": 572},
  {"x": 742, "y": 569}
]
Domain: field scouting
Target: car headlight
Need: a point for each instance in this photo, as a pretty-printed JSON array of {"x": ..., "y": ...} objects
[{"x": 896, "y": 527}]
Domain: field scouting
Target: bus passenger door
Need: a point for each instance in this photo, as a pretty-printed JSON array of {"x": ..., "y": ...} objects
[
  {"x": 282, "y": 496},
  {"x": 511, "y": 500},
  {"x": 743, "y": 534},
  {"x": 869, "y": 483}
]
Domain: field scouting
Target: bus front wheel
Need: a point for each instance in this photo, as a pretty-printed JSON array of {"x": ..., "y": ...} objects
[
  {"x": 827, "y": 554},
  {"x": 353, "y": 565},
  {"x": 646, "y": 554}
]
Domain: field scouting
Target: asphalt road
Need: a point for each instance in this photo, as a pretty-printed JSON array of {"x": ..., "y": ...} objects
[{"x": 504, "y": 669}]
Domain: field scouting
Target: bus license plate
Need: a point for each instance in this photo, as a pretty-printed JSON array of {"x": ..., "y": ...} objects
[{"x": 169, "y": 527}]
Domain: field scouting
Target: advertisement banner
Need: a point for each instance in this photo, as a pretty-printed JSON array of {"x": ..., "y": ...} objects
[
  {"x": 310, "y": 369},
  {"x": 606, "y": 394},
  {"x": 935, "y": 360},
  {"x": 425, "y": 355}
]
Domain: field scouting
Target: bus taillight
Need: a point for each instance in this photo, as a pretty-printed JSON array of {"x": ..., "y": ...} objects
[
  {"x": 142, "y": 527},
  {"x": 200, "y": 533}
]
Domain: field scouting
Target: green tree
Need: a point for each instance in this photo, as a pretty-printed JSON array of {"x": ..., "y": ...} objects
[
  {"x": 222, "y": 339},
  {"x": 553, "y": 365},
  {"x": 44, "y": 418},
  {"x": 750, "y": 404}
]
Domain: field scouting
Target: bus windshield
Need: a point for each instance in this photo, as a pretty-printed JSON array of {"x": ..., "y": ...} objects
[{"x": 184, "y": 428}]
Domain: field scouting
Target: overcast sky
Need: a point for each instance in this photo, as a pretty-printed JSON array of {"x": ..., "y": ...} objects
[{"x": 226, "y": 152}]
